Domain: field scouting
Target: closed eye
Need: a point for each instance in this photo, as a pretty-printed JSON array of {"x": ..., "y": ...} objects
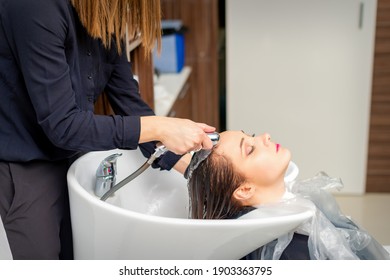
[
  {"x": 250, "y": 150},
  {"x": 252, "y": 147},
  {"x": 249, "y": 147}
]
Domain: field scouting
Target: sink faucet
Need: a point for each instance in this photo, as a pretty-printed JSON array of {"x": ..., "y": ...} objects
[{"x": 106, "y": 174}]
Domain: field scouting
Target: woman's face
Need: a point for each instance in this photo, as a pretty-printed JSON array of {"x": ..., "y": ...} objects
[{"x": 257, "y": 158}]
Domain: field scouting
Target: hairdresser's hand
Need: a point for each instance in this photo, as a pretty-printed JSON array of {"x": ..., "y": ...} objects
[{"x": 178, "y": 135}]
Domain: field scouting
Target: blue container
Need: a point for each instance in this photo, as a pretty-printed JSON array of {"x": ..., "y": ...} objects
[{"x": 171, "y": 59}]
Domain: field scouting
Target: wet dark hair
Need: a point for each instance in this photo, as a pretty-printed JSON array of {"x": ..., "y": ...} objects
[{"x": 211, "y": 187}]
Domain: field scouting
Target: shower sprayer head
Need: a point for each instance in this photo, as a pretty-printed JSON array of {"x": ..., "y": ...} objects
[
  {"x": 200, "y": 155},
  {"x": 214, "y": 137}
]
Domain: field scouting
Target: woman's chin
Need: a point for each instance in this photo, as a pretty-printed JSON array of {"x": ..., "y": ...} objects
[{"x": 286, "y": 156}]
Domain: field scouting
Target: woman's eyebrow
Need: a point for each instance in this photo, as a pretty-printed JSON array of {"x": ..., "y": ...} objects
[
  {"x": 246, "y": 134},
  {"x": 241, "y": 142}
]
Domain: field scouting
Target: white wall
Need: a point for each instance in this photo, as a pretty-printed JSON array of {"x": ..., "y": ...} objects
[{"x": 301, "y": 70}]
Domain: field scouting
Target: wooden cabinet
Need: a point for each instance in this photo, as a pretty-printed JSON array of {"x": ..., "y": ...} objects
[
  {"x": 200, "y": 17},
  {"x": 378, "y": 165}
]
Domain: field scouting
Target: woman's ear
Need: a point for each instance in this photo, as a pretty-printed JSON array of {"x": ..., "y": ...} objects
[{"x": 244, "y": 192}]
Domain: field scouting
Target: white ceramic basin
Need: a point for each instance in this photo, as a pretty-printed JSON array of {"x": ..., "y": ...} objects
[{"x": 147, "y": 219}]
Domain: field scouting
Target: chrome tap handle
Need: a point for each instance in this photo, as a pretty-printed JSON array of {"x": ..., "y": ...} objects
[{"x": 106, "y": 174}]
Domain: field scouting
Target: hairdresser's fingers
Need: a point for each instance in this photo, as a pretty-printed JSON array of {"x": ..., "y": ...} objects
[
  {"x": 206, "y": 128},
  {"x": 178, "y": 135},
  {"x": 206, "y": 142},
  {"x": 182, "y": 136}
]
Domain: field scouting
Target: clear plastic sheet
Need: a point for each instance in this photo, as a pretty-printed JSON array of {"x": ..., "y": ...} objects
[{"x": 332, "y": 235}]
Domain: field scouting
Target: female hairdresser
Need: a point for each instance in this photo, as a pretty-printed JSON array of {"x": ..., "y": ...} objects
[
  {"x": 246, "y": 173},
  {"x": 56, "y": 57}
]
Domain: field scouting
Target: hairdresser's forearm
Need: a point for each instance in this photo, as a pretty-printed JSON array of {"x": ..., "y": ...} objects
[
  {"x": 183, "y": 163},
  {"x": 151, "y": 129}
]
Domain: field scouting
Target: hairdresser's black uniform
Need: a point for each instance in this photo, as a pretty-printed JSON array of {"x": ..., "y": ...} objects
[{"x": 51, "y": 73}]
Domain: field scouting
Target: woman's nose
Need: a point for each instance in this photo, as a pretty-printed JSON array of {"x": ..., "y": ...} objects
[{"x": 266, "y": 137}]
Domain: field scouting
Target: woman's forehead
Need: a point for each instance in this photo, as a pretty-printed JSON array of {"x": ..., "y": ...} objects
[
  {"x": 229, "y": 140},
  {"x": 231, "y": 135}
]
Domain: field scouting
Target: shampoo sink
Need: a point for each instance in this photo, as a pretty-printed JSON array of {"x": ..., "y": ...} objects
[{"x": 147, "y": 219}]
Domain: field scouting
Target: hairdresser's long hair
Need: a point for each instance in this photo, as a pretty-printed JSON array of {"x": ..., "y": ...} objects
[
  {"x": 211, "y": 187},
  {"x": 108, "y": 19}
]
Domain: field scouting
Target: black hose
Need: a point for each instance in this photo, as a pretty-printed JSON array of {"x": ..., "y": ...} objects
[{"x": 129, "y": 178}]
